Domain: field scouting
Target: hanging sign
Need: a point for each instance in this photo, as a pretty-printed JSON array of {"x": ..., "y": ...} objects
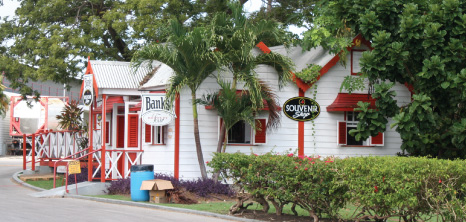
[
  {"x": 153, "y": 110},
  {"x": 301, "y": 109},
  {"x": 88, "y": 92}
]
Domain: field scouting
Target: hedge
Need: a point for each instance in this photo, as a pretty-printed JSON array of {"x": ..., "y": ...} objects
[{"x": 410, "y": 188}]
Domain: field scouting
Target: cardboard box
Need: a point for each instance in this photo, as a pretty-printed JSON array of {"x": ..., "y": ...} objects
[
  {"x": 155, "y": 199},
  {"x": 157, "y": 190}
]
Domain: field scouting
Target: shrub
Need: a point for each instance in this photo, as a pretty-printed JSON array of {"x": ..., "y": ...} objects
[
  {"x": 121, "y": 186},
  {"x": 206, "y": 187},
  {"x": 381, "y": 187},
  {"x": 202, "y": 188}
]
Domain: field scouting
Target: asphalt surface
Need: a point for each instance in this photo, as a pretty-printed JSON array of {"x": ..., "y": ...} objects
[{"x": 17, "y": 203}]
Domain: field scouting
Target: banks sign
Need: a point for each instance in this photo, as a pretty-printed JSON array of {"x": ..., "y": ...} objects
[
  {"x": 301, "y": 109},
  {"x": 153, "y": 110}
]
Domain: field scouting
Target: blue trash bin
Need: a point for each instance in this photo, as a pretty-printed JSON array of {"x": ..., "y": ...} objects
[{"x": 140, "y": 173}]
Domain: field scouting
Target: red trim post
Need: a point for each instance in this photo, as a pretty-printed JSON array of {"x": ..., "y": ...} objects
[
  {"x": 24, "y": 151},
  {"x": 301, "y": 131},
  {"x": 33, "y": 152},
  {"x": 177, "y": 137},
  {"x": 102, "y": 127},
  {"x": 90, "y": 158}
]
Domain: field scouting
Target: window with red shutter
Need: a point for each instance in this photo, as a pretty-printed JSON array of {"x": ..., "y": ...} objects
[
  {"x": 344, "y": 137},
  {"x": 158, "y": 135},
  {"x": 242, "y": 133},
  {"x": 133, "y": 130}
]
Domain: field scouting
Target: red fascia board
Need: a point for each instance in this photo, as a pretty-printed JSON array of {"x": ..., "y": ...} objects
[
  {"x": 304, "y": 86},
  {"x": 348, "y": 102}
]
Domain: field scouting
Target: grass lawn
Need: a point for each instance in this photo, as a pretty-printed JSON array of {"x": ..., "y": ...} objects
[{"x": 46, "y": 184}]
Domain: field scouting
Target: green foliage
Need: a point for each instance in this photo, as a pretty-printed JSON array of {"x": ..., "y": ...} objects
[
  {"x": 411, "y": 189},
  {"x": 309, "y": 74},
  {"x": 406, "y": 187},
  {"x": 70, "y": 117},
  {"x": 372, "y": 121},
  {"x": 420, "y": 43},
  {"x": 353, "y": 83},
  {"x": 306, "y": 181}
]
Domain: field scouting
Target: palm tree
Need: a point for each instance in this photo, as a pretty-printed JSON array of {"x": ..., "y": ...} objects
[
  {"x": 239, "y": 38},
  {"x": 191, "y": 57},
  {"x": 233, "y": 107}
]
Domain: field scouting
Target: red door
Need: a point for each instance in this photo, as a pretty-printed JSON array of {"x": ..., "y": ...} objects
[{"x": 133, "y": 130}]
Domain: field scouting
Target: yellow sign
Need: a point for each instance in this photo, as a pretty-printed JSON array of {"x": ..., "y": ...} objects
[{"x": 74, "y": 167}]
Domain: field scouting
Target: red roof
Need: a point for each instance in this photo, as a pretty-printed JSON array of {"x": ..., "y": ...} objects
[
  {"x": 110, "y": 102},
  {"x": 136, "y": 107},
  {"x": 347, "y": 102}
]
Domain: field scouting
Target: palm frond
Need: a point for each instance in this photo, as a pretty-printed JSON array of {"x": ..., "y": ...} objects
[{"x": 284, "y": 65}]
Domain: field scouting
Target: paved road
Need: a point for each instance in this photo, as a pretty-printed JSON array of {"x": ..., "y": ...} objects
[{"x": 17, "y": 205}]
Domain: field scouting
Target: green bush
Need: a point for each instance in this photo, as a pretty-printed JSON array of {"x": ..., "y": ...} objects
[{"x": 413, "y": 189}]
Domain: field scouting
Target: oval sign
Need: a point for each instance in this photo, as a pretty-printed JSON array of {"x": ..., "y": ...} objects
[
  {"x": 87, "y": 97},
  {"x": 157, "y": 117},
  {"x": 301, "y": 109}
]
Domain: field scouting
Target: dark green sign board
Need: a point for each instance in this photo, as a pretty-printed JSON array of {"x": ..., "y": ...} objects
[{"x": 301, "y": 109}]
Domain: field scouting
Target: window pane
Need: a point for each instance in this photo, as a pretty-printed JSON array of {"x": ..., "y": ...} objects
[
  {"x": 350, "y": 139},
  {"x": 237, "y": 133}
]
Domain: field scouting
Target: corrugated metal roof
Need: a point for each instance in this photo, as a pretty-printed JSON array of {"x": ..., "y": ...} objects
[
  {"x": 117, "y": 75},
  {"x": 161, "y": 77}
]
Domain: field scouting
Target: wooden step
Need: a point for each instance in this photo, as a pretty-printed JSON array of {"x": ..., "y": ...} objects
[{"x": 36, "y": 177}]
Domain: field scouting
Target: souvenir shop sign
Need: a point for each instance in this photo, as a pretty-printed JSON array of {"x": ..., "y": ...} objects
[
  {"x": 153, "y": 110},
  {"x": 301, "y": 109}
]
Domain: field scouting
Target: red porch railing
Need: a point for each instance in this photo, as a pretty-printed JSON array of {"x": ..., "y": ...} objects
[{"x": 58, "y": 146}]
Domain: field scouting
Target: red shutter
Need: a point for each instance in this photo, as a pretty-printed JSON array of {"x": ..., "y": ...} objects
[
  {"x": 341, "y": 133},
  {"x": 107, "y": 132},
  {"x": 133, "y": 130},
  {"x": 120, "y": 140},
  {"x": 377, "y": 140},
  {"x": 148, "y": 133},
  {"x": 261, "y": 132}
]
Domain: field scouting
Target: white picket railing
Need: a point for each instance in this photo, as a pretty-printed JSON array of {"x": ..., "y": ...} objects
[{"x": 56, "y": 145}]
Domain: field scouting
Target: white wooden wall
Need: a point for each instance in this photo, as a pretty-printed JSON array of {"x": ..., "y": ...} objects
[{"x": 281, "y": 140}]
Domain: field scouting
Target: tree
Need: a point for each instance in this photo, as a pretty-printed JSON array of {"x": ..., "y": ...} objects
[
  {"x": 51, "y": 39},
  {"x": 418, "y": 43},
  {"x": 233, "y": 107},
  {"x": 191, "y": 57},
  {"x": 239, "y": 36}
]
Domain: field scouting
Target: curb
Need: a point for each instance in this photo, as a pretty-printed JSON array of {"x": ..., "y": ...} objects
[
  {"x": 159, "y": 207},
  {"x": 16, "y": 179}
]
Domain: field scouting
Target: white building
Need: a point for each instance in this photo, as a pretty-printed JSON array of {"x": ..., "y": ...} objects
[{"x": 171, "y": 148}]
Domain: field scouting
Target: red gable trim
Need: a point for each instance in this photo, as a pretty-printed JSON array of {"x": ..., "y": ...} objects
[
  {"x": 347, "y": 102},
  {"x": 89, "y": 71},
  {"x": 358, "y": 40}
]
